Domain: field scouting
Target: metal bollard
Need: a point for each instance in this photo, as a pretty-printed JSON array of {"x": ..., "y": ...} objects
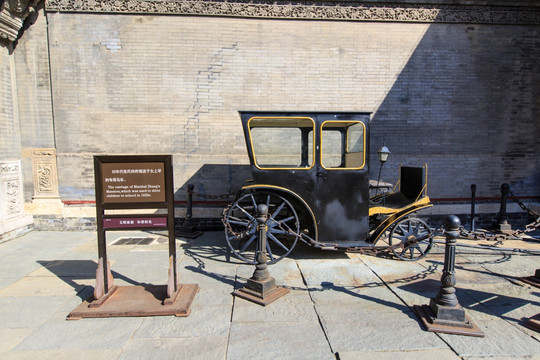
[
  {"x": 444, "y": 313},
  {"x": 502, "y": 218},
  {"x": 261, "y": 287},
  {"x": 534, "y": 280},
  {"x": 189, "y": 211},
  {"x": 188, "y": 229},
  {"x": 473, "y": 205}
]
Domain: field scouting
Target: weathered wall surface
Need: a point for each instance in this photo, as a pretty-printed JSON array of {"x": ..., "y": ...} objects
[
  {"x": 10, "y": 145},
  {"x": 463, "y": 98},
  {"x": 31, "y": 59}
]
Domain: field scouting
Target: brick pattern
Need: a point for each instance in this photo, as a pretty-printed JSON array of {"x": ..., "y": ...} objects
[
  {"x": 10, "y": 148},
  {"x": 34, "y": 87},
  {"x": 461, "y": 98}
]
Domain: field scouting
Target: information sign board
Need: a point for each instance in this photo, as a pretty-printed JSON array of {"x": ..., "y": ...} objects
[
  {"x": 130, "y": 182},
  {"x": 133, "y": 182}
]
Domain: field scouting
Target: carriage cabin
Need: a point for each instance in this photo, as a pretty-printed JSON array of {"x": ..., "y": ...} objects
[{"x": 319, "y": 162}]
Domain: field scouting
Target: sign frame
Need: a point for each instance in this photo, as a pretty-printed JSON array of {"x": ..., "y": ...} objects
[{"x": 104, "y": 287}]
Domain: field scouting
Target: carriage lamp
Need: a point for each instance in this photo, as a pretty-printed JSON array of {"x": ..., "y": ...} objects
[{"x": 383, "y": 154}]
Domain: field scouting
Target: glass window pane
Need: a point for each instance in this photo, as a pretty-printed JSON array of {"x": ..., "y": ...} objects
[
  {"x": 332, "y": 148},
  {"x": 355, "y": 138},
  {"x": 343, "y": 144},
  {"x": 282, "y": 142}
]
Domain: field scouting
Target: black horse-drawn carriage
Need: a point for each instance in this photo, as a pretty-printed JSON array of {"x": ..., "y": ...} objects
[{"x": 311, "y": 170}]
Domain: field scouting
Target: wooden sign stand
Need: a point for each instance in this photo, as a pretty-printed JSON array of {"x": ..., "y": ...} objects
[{"x": 135, "y": 182}]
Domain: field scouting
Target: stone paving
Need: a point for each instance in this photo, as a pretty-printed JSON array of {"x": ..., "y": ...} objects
[{"x": 341, "y": 306}]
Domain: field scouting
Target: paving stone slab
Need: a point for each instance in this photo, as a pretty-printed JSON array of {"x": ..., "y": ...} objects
[
  {"x": 501, "y": 339},
  {"x": 367, "y": 299},
  {"x": 28, "y": 312},
  {"x": 511, "y": 296},
  {"x": 64, "y": 354},
  {"x": 359, "y": 331},
  {"x": 6, "y": 282},
  {"x": 339, "y": 272},
  {"x": 474, "y": 274},
  {"x": 286, "y": 273},
  {"x": 203, "y": 320},
  {"x": 391, "y": 269},
  {"x": 429, "y": 354},
  {"x": 418, "y": 292},
  {"x": 110, "y": 333},
  {"x": 534, "y": 357},
  {"x": 197, "y": 348},
  {"x": 16, "y": 266},
  {"x": 278, "y": 340},
  {"x": 10, "y": 338},
  {"x": 67, "y": 268},
  {"x": 215, "y": 287},
  {"x": 295, "y": 306},
  {"x": 132, "y": 275},
  {"x": 205, "y": 266},
  {"x": 45, "y": 286}
]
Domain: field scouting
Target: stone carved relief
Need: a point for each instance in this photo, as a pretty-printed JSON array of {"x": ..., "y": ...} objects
[
  {"x": 12, "y": 15},
  {"x": 45, "y": 174},
  {"x": 315, "y": 10},
  {"x": 14, "y": 205},
  {"x": 10, "y": 168},
  {"x": 11, "y": 198}
]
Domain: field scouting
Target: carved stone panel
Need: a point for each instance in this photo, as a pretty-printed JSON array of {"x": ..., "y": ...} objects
[
  {"x": 13, "y": 219},
  {"x": 11, "y": 193},
  {"x": 45, "y": 175},
  {"x": 393, "y": 11}
]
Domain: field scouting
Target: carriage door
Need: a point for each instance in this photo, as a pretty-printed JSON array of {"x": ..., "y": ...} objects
[{"x": 342, "y": 181}]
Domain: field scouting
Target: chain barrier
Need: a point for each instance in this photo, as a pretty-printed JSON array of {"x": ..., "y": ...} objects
[
  {"x": 213, "y": 197},
  {"x": 500, "y": 237}
]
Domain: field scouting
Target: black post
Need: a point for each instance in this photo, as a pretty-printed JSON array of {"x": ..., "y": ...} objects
[
  {"x": 261, "y": 273},
  {"x": 261, "y": 287},
  {"x": 445, "y": 305},
  {"x": 473, "y": 205},
  {"x": 533, "y": 322},
  {"x": 188, "y": 229},
  {"x": 444, "y": 314},
  {"x": 532, "y": 280},
  {"x": 189, "y": 211},
  {"x": 502, "y": 219}
]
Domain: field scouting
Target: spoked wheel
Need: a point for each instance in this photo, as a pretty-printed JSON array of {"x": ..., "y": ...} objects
[
  {"x": 241, "y": 227},
  {"x": 416, "y": 237}
]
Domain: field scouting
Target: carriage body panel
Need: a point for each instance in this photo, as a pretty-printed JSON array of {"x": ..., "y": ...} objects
[{"x": 321, "y": 157}]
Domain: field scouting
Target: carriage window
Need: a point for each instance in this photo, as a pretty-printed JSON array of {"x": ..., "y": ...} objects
[
  {"x": 332, "y": 148},
  {"x": 282, "y": 142},
  {"x": 342, "y": 145}
]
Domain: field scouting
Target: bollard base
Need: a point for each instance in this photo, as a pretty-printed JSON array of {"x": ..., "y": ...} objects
[
  {"x": 503, "y": 228},
  {"x": 532, "y": 280},
  {"x": 433, "y": 324},
  {"x": 187, "y": 231},
  {"x": 534, "y": 323},
  {"x": 261, "y": 292}
]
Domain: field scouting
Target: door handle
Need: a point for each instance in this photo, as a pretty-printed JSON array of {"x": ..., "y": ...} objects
[{"x": 321, "y": 175}]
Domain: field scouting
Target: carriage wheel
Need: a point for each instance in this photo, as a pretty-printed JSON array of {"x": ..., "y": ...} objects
[
  {"x": 241, "y": 227},
  {"x": 416, "y": 237}
]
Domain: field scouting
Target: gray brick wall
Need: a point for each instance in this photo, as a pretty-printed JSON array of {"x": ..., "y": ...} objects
[
  {"x": 31, "y": 59},
  {"x": 462, "y": 98},
  {"x": 10, "y": 145}
]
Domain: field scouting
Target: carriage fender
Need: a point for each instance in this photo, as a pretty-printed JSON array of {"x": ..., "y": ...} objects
[{"x": 289, "y": 195}]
